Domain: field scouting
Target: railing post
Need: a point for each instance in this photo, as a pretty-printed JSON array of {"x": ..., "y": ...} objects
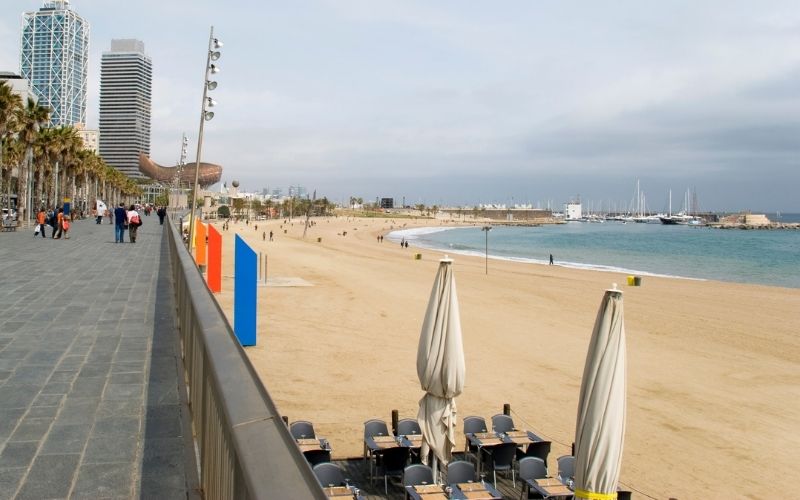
[
  {"x": 506, "y": 409},
  {"x": 395, "y": 419}
]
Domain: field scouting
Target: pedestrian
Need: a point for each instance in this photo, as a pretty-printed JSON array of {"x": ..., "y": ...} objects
[
  {"x": 41, "y": 216},
  {"x": 134, "y": 221},
  {"x": 65, "y": 224},
  {"x": 121, "y": 218},
  {"x": 406, "y": 244},
  {"x": 161, "y": 212},
  {"x": 270, "y": 236},
  {"x": 59, "y": 217},
  {"x": 402, "y": 242},
  {"x": 551, "y": 259},
  {"x": 264, "y": 236}
]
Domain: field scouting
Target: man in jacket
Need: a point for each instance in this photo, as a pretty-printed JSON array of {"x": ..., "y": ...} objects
[{"x": 120, "y": 218}]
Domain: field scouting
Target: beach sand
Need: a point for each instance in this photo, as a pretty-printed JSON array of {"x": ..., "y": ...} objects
[{"x": 713, "y": 373}]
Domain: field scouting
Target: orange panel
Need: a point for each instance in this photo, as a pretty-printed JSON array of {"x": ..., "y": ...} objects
[
  {"x": 214, "y": 274},
  {"x": 200, "y": 244}
]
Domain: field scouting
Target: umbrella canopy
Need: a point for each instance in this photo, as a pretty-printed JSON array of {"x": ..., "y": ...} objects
[
  {"x": 600, "y": 428},
  {"x": 440, "y": 366}
]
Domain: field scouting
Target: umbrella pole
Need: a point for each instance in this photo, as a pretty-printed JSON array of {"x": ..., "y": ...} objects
[{"x": 434, "y": 467}]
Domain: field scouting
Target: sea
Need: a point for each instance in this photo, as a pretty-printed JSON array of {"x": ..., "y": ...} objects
[{"x": 766, "y": 257}]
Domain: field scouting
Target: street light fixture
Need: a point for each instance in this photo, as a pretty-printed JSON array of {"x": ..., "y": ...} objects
[
  {"x": 205, "y": 115},
  {"x": 486, "y": 230}
]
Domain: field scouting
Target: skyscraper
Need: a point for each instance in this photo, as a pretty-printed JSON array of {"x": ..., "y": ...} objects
[
  {"x": 126, "y": 75},
  {"x": 54, "y": 58}
]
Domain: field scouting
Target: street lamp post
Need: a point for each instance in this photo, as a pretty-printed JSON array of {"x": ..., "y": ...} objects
[
  {"x": 205, "y": 115},
  {"x": 486, "y": 230},
  {"x": 177, "y": 179}
]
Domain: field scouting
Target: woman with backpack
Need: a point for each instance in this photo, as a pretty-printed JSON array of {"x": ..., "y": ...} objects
[{"x": 134, "y": 221}]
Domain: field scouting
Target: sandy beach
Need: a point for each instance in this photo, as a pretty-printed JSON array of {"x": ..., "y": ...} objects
[{"x": 714, "y": 378}]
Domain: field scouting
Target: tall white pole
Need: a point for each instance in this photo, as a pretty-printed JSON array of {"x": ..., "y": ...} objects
[{"x": 200, "y": 138}]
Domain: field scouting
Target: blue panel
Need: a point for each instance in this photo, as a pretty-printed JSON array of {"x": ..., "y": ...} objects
[{"x": 245, "y": 284}]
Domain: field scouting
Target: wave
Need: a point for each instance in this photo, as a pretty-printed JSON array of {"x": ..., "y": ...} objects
[{"x": 413, "y": 236}]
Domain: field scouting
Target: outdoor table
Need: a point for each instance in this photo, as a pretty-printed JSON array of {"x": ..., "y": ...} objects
[
  {"x": 550, "y": 487},
  {"x": 376, "y": 444},
  {"x": 311, "y": 444},
  {"x": 475, "y": 491},
  {"x": 343, "y": 492},
  {"x": 426, "y": 492},
  {"x": 483, "y": 440}
]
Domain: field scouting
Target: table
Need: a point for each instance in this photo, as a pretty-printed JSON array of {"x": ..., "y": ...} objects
[
  {"x": 311, "y": 444},
  {"x": 374, "y": 445},
  {"x": 550, "y": 487},
  {"x": 462, "y": 491},
  {"x": 343, "y": 492}
]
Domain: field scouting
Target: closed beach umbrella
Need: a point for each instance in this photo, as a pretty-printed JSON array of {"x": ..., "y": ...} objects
[
  {"x": 600, "y": 429},
  {"x": 440, "y": 367}
]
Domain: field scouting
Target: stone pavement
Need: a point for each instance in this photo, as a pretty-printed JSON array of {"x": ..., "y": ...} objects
[{"x": 91, "y": 402}]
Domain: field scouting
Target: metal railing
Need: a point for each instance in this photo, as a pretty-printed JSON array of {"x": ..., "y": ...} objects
[{"x": 246, "y": 450}]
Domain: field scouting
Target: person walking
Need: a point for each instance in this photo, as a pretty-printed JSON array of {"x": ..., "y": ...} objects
[
  {"x": 41, "y": 217},
  {"x": 134, "y": 221},
  {"x": 161, "y": 212},
  {"x": 120, "y": 219},
  {"x": 58, "y": 228},
  {"x": 551, "y": 259}
]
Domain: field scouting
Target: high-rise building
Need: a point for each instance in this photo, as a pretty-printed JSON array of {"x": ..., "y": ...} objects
[
  {"x": 54, "y": 58},
  {"x": 126, "y": 75}
]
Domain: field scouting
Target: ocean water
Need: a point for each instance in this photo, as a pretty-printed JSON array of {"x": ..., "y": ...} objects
[{"x": 767, "y": 257}]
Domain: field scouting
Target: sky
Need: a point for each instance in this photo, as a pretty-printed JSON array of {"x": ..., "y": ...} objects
[{"x": 459, "y": 102}]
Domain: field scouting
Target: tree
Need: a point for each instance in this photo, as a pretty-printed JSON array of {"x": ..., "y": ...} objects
[
  {"x": 10, "y": 107},
  {"x": 33, "y": 117}
]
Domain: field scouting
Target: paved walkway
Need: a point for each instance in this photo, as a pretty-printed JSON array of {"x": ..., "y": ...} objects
[{"x": 91, "y": 404}]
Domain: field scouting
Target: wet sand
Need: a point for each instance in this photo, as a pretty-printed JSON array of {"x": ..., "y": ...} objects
[{"x": 714, "y": 378}]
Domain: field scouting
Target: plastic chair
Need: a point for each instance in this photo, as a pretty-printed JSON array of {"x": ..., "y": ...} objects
[
  {"x": 373, "y": 427},
  {"x": 329, "y": 474},
  {"x": 393, "y": 463},
  {"x": 417, "y": 474},
  {"x": 531, "y": 468},
  {"x": 408, "y": 426},
  {"x": 460, "y": 471},
  {"x": 503, "y": 460},
  {"x": 473, "y": 424},
  {"x": 502, "y": 423},
  {"x": 315, "y": 457},
  {"x": 566, "y": 468},
  {"x": 302, "y": 429},
  {"x": 538, "y": 449}
]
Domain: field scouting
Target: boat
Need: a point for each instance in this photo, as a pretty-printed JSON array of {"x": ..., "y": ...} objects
[{"x": 683, "y": 218}]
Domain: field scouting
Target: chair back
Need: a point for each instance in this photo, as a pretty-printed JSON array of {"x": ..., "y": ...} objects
[
  {"x": 315, "y": 457},
  {"x": 503, "y": 455},
  {"x": 532, "y": 468},
  {"x": 408, "y": 426},
  {"x": 538, "y": 449},
  {"x": 417, "y": 474},
  {"x": 375, "y": 427},
  {"x": 460, "y": 471},
  {"x": 566, "y": 467},
  {"x": 502, "y": 423},
  {"x": 474, "y": 424},
  {"x": 394, "y": 460},
  {"x": 302, "y": 429},
  {"x": 328, "y": 474}
]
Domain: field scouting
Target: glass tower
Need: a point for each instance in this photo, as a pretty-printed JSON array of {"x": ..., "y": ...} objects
[
  {"x": 54, "y": 59},
  {"x": 126, "y": 75}
]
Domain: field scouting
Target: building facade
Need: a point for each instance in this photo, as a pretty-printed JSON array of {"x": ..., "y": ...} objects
[
  {"x": 126, "y": 75},
  {"x": 19, "y": 86},
  {"x": 54, "y": 58}
]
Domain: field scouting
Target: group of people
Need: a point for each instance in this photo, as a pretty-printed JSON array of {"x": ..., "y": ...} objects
[
  {"x": 56, "y": 220},
  {"x": 126, "y": 219}
]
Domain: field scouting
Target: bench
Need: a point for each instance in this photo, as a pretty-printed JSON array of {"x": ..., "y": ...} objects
[{"x": 9, "y": 225}]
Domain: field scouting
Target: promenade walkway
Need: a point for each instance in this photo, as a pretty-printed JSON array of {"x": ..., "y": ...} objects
[{"x": 91, "y": 401}]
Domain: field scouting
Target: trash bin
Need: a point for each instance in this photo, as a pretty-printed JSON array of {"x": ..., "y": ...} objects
[
  {"x": 417, "y": 256},
  {"x": 319, "y": 240},
  {"x": 631, "y": 280},
  {"x": 637, "y": 281}
]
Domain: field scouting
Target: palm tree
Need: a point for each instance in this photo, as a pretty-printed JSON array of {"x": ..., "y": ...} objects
[
  {"x": 10, "y": 106},
  {"x": 32, "y": 119}
]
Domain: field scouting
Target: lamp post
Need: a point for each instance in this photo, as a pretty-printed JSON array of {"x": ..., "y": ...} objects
[
  {"x": 177, "y": 179},
  {"x": 205, "y": 115},
  {"x": 486, "y": 230}
]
